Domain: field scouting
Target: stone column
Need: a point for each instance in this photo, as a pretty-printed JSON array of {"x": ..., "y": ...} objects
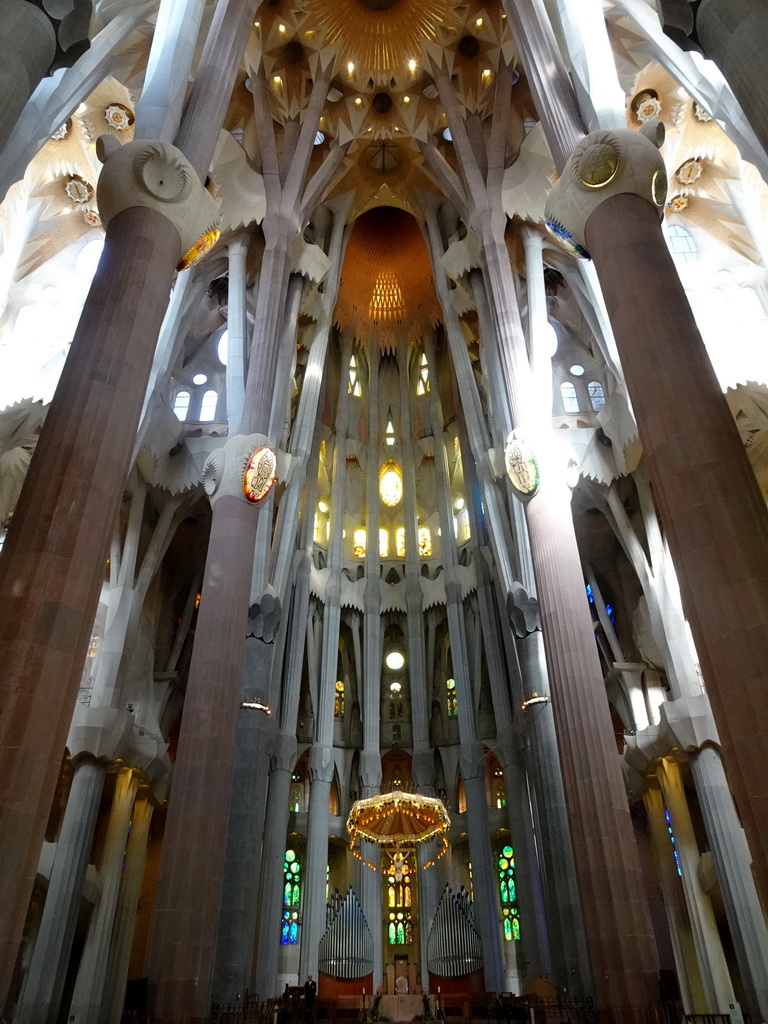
[
  {"x": 715, "y": 979},
  {"x": 53, "y": 561},
  {"x": 472, "y": 753},
  {"x": 26, "y": 53},
  {"x": 688, "y": 974},
  {"x": 547, "y": 76},
  {"x": 41, "y": 1000},
  {"x": 237, "y": 251},
  {"x": 125, "y": 915},
  {"x": 313, "y": 897},
  {"x": 732, "y": 866},
  {"x": 713, "y": 512},
  {"x": 187, "y": 904},
  {"x": 91, "y": 975}
]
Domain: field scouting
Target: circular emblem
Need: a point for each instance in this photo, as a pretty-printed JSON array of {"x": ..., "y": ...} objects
[
  {"x": 522, "y": 468},
  {"x": 259, "y": 475},
  {"x": 598, "y": 165},
  {"x": 118, "y": 117},
  {"x": 659, "y": 187},
  {"x": 78, "y": 189}
]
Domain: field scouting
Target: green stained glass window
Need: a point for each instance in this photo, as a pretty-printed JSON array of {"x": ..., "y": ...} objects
[{"x": 507, "y": 893}]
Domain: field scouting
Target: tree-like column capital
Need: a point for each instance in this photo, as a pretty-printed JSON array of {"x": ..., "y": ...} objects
[{"x": 605, "y": 164}]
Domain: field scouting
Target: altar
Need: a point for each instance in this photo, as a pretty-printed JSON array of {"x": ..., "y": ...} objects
[{"x": 401, "y": 1007}]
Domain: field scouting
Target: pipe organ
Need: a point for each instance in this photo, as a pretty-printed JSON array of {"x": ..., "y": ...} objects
[
  {"x": 454, "y": 947},
  {"x": 346, "y": 948}
]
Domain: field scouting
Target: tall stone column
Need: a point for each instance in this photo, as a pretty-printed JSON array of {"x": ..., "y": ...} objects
[
  {"x": 41, "y": 1000},
  {"x": 321, "y": 756},
  {"x": 53, "y": 561},
  {"x": 26, "y": 54},
  {"x": 472, "y": 753},
  {"x": 91, "y": 975},
  {"x": 237, "y": 251},
  {"x": 732, "y": 866},
  {"x": 688, "y": 974},
  {"x": 125, "y": 914},
  {"x": 713, "y": 512},
  {"x": 715, "y": 979},
  {"x": 188, "y": 899}
]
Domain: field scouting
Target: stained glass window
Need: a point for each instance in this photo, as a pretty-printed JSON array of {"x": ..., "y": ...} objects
[
  {"x": 290, "y": 931},
  {"x": 674, "y": 844},
  {"x": 450, "y": 693},
  {"x": 395, "y": 700},
  {"x": 389, "y": 436},
  {"x": 400, "y": 931},
  {"x": 508, "y": 894},
  {"x": 501, "y": 796},
  {"x": 569, "y": 396},
  {"x": 422, "y": 387},
  {"x": 425, "y": 541},
  {"x": 596, "y": 394},
  {"x": 338, "y": 700},
  {"x": 296, "y": 799},
  {"x": 391, "y": 483},
  {"x": 358, "y": 543},
  {"x": 383, "y": 543},
  {"x": 291, "y": 880},
  {"x": 400, "y": 541}
]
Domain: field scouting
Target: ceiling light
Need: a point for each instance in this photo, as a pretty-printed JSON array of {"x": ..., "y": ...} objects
[
  {"x": 406, "y": 99},
  {"x": 358, "y": 101},
  {"x": 277, "y": 80},
  {"x": 281, "y": 28},
  {"x": 459, "y": 504},
  {"x": 323, "y": 506},
  {"x": 350, "y": 67},
  {"x": 395, "y": 660},
  {"x": 411, "y": 65},
  {"x": 486, "y": 72},
  {"x": 479, "y": 22}
]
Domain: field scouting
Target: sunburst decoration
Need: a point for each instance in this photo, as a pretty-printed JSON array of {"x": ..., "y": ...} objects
[
  {"x": 109, "y": 111},
  {"x": 380, "y": 41}
]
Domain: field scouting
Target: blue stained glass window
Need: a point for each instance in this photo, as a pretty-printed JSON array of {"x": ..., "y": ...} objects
[{"x": 674, "y": 844}]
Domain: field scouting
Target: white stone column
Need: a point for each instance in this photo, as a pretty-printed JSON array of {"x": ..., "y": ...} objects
[
  {"x": 91, "y": 976},
  {"x": 125, "y": 915},
  {"x": 737, "y": 886},
  {"x": 158, "y": 112},
  {"x": 716, "y": 981},
  {"x": 41, "y": 999},
  {"x": 237, "y": 251}
]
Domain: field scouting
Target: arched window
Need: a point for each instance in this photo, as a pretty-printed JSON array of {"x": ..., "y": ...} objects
[
  {"x": 400, "y": 541},
  {"x": 391, "y": 483},
  {"x": 290, "y": 932},
  {"x": 389, "y": 436},
  {"x": 569, "y": 396},
  {"x": 296, "y": 799},
  {"x": 291, "y": 879},
  {"x": 508, "y": 894},
  {"x": 358, "y": 543},
  {"x": 681, "y": 243},
  {"x": 383, "y": 543},
  {"x": 425, "y": 541},
  {"x": 181, "y": 405},
  {"x": 222, "y": 348},
  {"x": 208, "y": 406},
  {"x": 450, "y": 696},
  {"x": 338, "y": 700},
  {"x": 596, "y": 394}
]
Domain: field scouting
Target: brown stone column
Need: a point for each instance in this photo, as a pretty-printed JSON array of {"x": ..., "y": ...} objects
[
  {"x": 54, "y": 558},
  {"x": 711, "y": 507},
  {"x": 182, "y": 948}
]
